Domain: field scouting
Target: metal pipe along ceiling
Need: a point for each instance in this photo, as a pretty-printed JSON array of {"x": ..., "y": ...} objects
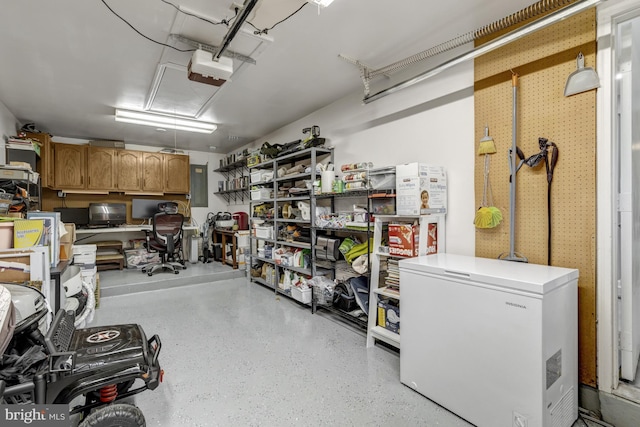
[{"x": 562, "y": 8}]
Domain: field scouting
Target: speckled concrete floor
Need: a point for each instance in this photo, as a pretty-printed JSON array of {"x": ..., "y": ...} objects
[{"x": 235, "y": 355}]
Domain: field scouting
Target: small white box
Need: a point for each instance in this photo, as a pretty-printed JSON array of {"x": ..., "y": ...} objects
[
  {"x": 260, "y": 194},
  {"x": 302, "y": 295},
  {"x": 419, "y": 188},
  {"x": 264, "y": 232}
]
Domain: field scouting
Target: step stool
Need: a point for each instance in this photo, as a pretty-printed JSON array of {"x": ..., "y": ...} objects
[{"x": 109, "y": 255}]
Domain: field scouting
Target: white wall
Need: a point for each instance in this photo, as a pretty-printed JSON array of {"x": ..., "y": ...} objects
[
  {"x": 8, "y": 127},
  {"x": 432, "y": 122}
]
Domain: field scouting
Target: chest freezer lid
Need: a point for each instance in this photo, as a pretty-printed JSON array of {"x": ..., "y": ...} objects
[{"x": 535, "y": 278}]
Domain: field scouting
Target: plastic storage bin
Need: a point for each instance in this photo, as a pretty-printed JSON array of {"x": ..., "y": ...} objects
[
  {"x": 260, "y": 194},
  {"x": 256, "y": 176},
  {"x": 264, "y": 232},
  {"x": 302, "y": 295}
]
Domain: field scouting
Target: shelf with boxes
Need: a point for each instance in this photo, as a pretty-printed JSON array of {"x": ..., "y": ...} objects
[
  {"x": 283, "y": 237},
  {"x": 20, "y": 190},
  {"x": 396, "y": 237}
]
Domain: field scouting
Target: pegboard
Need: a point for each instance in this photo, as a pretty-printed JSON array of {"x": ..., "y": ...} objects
[{"x": 543, "y": 62}]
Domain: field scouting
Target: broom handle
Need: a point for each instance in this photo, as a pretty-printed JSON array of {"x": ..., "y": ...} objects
[
  {"x": 512, "y": 193},
  {"x": 486, "y": 180}
]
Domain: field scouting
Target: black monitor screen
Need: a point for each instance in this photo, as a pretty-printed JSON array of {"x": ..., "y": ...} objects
[
  {"x": 144, "y": 208},
  {"x": 78, "y": 216}
]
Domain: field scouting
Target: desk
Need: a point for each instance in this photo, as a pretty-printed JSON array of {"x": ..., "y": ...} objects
[
  {"x": 90, "y": 232},
  {"x": 224, "y": 235},
  {"x": 93, "y": 235}
]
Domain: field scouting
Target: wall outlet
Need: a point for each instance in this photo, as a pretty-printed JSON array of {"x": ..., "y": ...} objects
[
  {"x": 62, "y": 194},
  {"x": 236, "y": 5}
]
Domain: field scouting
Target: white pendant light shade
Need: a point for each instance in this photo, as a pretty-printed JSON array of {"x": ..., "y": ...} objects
[
  {"x": 582, "y": 79},
  {"x": 323, "y": 3}
]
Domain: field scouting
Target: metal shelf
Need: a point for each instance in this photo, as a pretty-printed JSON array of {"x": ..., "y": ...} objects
[
  {"x": 346, "y": 194},
  {"x": 345, "y": 315},
  {"x": 261, "y": 281},
  {"x": 303, "y": 221},
  {"x": 305, "y": 271},
  {"x": 385, "y": 335},
  {"x": 301, "y": 245},
  {"x": 343, "y": 230},
  {"x": 387, "y": 293},
  {"x": 294, "y": 177},
  {"x": 292, "y": 199},
  {"x": 239, "y": 164}
]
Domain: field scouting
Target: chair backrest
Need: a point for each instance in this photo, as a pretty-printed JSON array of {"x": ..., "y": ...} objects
[{"x": 167, "y": 229}]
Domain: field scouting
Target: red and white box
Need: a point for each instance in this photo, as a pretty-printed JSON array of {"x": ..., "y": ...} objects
[{"x": 404, "y": 239}]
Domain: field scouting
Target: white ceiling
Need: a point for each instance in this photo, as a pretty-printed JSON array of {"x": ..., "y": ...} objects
[{"x": 67, "y": 64}]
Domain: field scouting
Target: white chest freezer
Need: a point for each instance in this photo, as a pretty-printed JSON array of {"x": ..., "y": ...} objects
[{"x": 495, "y": 342}]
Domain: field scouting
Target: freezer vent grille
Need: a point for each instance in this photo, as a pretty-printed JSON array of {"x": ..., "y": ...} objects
[{"x": 562, "y": 415}]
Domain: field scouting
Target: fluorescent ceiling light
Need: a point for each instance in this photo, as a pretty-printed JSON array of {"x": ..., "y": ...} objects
[
  {"x": 164, "y": 121},
  {"x": 323, "y": 3}
]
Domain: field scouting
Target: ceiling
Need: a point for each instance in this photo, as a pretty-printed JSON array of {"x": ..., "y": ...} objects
[{"x": 67, "y": 64}]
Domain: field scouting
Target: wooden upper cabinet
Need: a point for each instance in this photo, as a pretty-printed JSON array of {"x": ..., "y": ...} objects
[
  {"x": 129, "y": 170},
  {"x": 46, "y": 161},
  {"x": 176, "y": 168},
  {"x": 101, "y": 168},
  {"x": 70, "y": 167},
  {"x": 152, "y": 172}
]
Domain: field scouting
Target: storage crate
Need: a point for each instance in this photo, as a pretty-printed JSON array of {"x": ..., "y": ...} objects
[
  {"x": 260, "y": 194},
  {"x": 139, "y": 258},
  {"x": 264, "y": 232},
  {"x": 84, "y": 254},
  {"x": 256, "y": 176},
  {"x": 302, "y": 295}
]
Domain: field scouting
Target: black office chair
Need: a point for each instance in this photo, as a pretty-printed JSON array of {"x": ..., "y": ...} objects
[{"x": 166, "y": 239}]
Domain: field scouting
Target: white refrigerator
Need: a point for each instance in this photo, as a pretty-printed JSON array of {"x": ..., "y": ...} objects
[{"x": 495, "y": 342}]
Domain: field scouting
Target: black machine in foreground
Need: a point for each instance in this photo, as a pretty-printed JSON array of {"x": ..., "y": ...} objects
[{"x": 91, "y": 369}]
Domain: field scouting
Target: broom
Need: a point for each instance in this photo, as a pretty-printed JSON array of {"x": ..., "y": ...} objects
[{"x": 487, "y": 216}]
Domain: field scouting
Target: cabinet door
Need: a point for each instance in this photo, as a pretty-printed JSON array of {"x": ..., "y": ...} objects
[
  {"x": 176, "y": 174},
  {"x": 45, "y": 165},
  {"x": 102, "y": 168},
  {"x": 70, "y": 166},
  {"x": 152, "y": 172},
  {"x": 129, "y": 170}
]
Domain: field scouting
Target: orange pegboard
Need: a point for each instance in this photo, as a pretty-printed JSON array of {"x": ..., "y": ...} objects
[{"x": 543, "y": 61}]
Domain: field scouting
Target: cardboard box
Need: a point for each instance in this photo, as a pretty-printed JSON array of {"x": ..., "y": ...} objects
[
  {"x": 66, "y": 242},
  {"x": 389, "y": 316},
  {"x": 28, "y": 232},
  {"x": 420, "y": 188},
  {"x": 404, "y": 239},
  {"x": 15, "y": 269}
]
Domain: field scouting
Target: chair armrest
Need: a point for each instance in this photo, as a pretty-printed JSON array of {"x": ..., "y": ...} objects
[{"x": 148, "y": 234}]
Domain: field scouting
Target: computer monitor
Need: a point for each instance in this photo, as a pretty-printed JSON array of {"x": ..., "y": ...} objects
[
  {"x": 144, "y": 208},
  {"x": 78, "y": 216}
]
